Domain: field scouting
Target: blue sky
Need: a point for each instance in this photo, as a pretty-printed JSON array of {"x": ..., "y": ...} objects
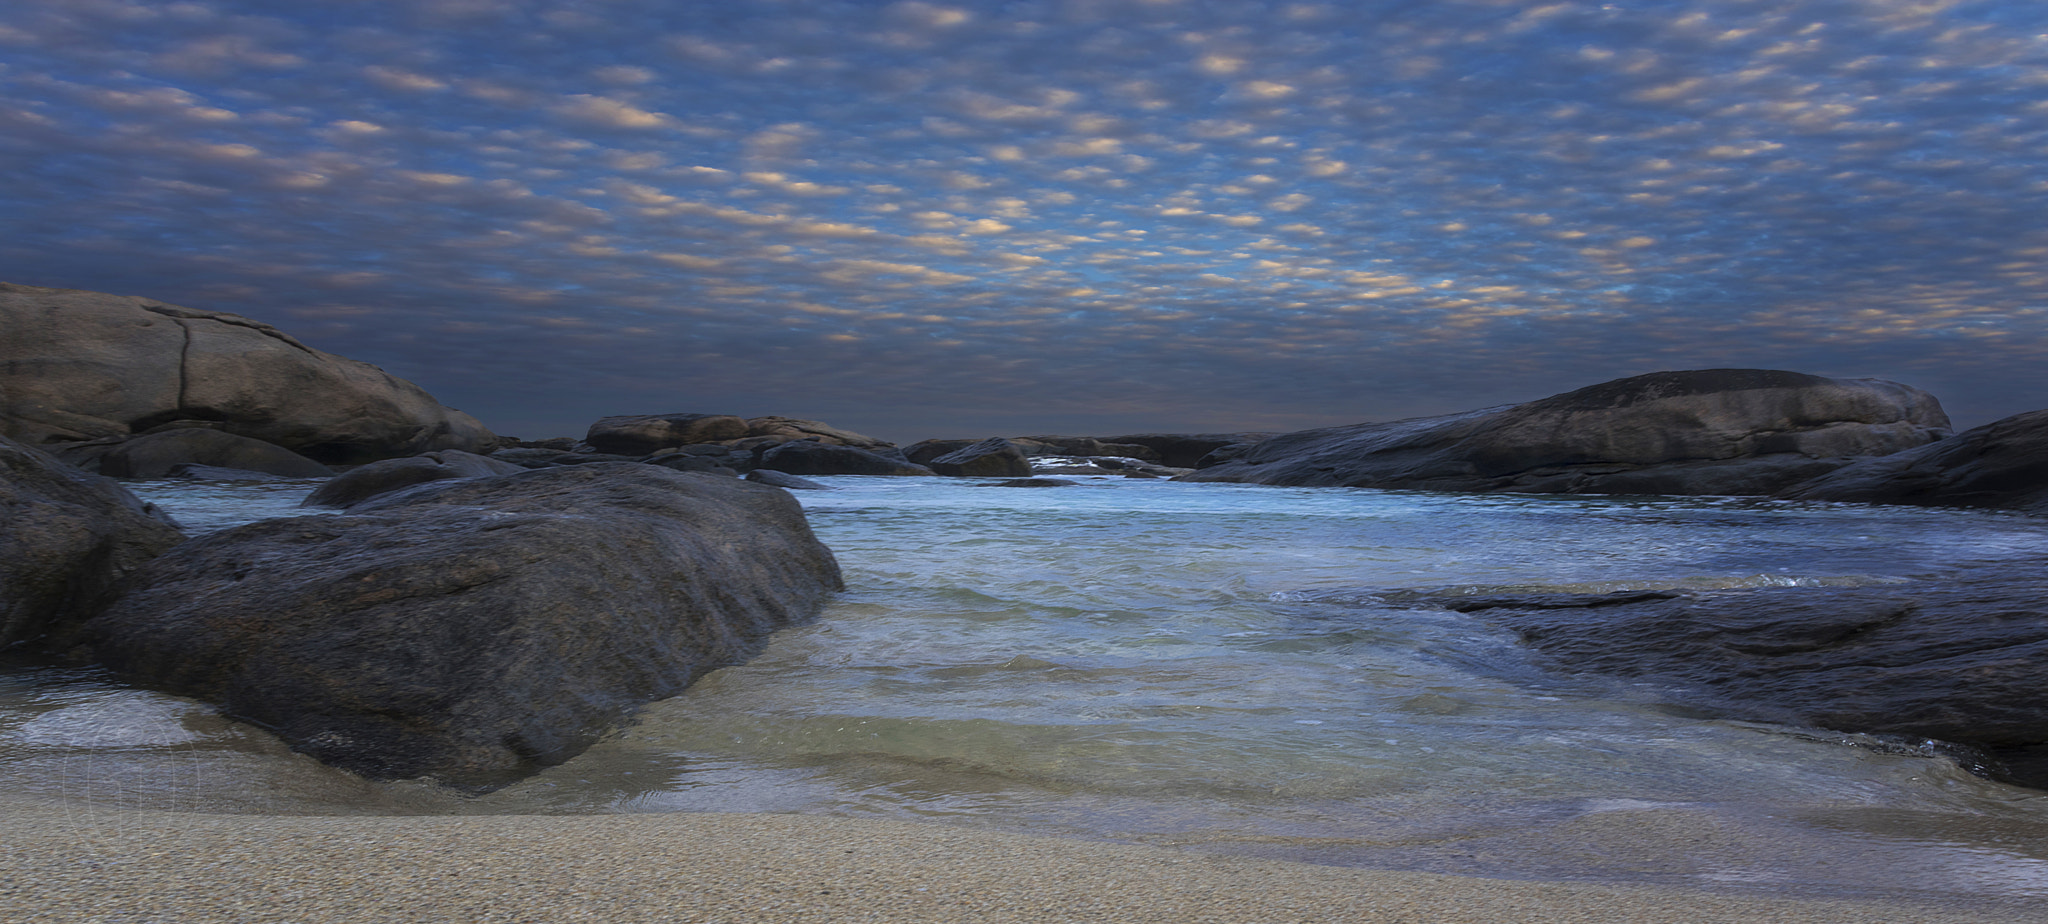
[{"x": 1085, "y": 216}]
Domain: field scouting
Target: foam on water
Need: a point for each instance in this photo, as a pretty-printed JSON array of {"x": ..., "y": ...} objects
[{"x": 1221, "y": 667}]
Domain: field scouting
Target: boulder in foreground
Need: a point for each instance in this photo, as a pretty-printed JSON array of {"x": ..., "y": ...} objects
[
  {"x": 2001, "y": 465},
  {"x": 472, "y": 631},
  {"x": 78, "y": 365},
  {"x": 65, "y": 538},
  {"x": 1716, "y": 431}
]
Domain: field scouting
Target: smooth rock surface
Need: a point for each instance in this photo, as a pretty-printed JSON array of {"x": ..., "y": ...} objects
[
  {"x": 2002, "y": 465},
  {"x": 360, "y": 484},
  {"x": 158, "y": 454},
  {"x": 784, "y": 480},
  {"x": 65, "y": 538},
  {"x": 991, "y": 458},
  {"x": 804, "y": 457},
  {"x": 793, "y": 428},
  {"x": 1716, "y": 431},
  {"x": 474, "y": 630},
  {"x": 639, "y": 435},
  {"x": 79, "y": 365},
  {"x": 1962, "y": 660}
]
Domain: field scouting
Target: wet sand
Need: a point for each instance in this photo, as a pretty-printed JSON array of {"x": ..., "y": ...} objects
[{"x": 74, "y": 864}]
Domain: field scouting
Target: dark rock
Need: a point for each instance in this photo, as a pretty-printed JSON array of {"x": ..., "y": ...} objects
[
  {"x": 1186, "y": 450},
  {"x": 685, "y": 462},
  {"x": 544, "y": 458},
  {"x": 65, "y": 538},
  {"x": 191, "y": 472},
  {"x": 784, "y": 480},
  {"x": 1959, "y": 660},
  {"x": 1083, "y": 447},
  {"x": 2001, "y": 465},
  {"x": 472, "y": 630},
  {"x": 1033, "y": 483},
  {"x": 155, "y": 455},
  {"x": 804, "y": 457},
  {"x": 392, "y": 474},
  {"x": 1720, "y": 431},
  {"x": 643, "y": 434},
  {"x": 923, "y": 452},
  {"x": 791, "y": 429},
  {"x": 991, "y": 458},
  {"x": 79, "y": 365}
]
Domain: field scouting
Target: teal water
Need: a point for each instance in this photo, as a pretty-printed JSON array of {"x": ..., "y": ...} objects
[{"x": 1216, "y": 667}]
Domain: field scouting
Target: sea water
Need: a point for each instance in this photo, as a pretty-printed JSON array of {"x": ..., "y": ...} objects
[{"x": 1227, "y": 668}]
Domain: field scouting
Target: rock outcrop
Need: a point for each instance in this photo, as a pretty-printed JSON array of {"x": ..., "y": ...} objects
[
  {"x": 2001, "y": 465},
  {"x": 1958, "y": 660},
  {"x": 640, "y": 435},
  {"x": 157, "y": 455},
  {"x": 77, "y": 366},
  {"x": 65, "y": 538},
  {"x": 475, "y": 630},
  {"x": 991, "y": 458},
  {"x": 791, "y": 429},
  {"x": 360, "y": 484},
  {"x": 1186, "y": 450},
  {"x": 804, "y": 457},
  {"x": 1719, "y": 431}
]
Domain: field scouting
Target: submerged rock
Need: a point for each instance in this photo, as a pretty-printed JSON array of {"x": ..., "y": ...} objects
[
  {"x": 65, "y": 538},
  {"x": 2002, "y": 465},
  {"x": 77, "y": 366},
  {"x": 475, "y": 630},
  {"x": 1962, "y": 660},
  {"x": 1718, "y": 431}
]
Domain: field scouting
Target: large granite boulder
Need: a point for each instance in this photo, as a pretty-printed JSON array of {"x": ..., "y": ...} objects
[
  {"x": 65, "y": 538},
  {"x": 365, "y": 482},
  {"x": 157, "y": 455},
  {"x": 474, "y": 630},
  {"x": 805, "y": 457},
  {"x": 80, "y": 365},
  {"x": 1962, "y": 660},
  {"x": 2003, "y": 465},
  {"x": 994, "y": 457},
  {"x": 639, "y": 435},
  {"x": 1717, "y": 431}
]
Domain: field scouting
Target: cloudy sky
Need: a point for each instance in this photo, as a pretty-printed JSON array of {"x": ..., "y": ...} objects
[{"x": 970, "y": 218}]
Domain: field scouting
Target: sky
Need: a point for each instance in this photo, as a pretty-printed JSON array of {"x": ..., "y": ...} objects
[{"x": 964, "y": 219}]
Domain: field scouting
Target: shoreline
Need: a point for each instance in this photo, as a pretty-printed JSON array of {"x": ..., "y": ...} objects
[{"x": 65, "y": 864}]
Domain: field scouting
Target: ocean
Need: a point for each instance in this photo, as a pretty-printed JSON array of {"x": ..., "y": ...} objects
[{"x": 1225, "y": 668}]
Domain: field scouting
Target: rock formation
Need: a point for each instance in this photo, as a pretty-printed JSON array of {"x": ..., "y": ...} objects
[
  {"x": 649, "y": 433},
  {"x": 991, "y": 458},
  {"x": 82, "y": 365},
  {"x": 804, "y": 457},
  {"x": 65, "y": 538},
  {"x": 360, "y": 484},
  {"x": 157, "y": 455},
  {"x": 1721, "y": 431},
  {"x": 475, "y": 630},
  {"x": 2001, "y": 465}
]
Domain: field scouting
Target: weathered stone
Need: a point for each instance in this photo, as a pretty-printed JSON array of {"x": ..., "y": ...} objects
[
  {"x": 804, "y": 457},
  {"x": 472, "y": 630},
  {"x": 80, "y": 365},
  {"x": 65, "y": 538},
  {"x": 1960, "y": 660},
  {"x": 1720, "y": 431},
  {"x": 784, "y": 480},
  {"x": 157, "y": 454},
  {"x": 192, "y": 472},
  {"x": 648, "y": 433},
  {"x": 376, "y": 478},
  {"x": 1186, "y": 450},
  {"x": 2002, "y": 465},
  {"x": 923, "y": 451},
  {"x": 991, "y": 458},
  {"x": 791, "y": 429},
  {"x": 1083, "y": 447}
]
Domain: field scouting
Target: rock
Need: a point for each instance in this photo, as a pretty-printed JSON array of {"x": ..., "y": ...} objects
[
  {"x": 2001, "y": 465},
  {"x": 804, "y": 457},
  {"x": 923, "y": 451},
  {"x": 156, "y": 455},
  {"x": 784, "y": 480},
  {"x": 706, "y": 457},
  {"x": 681, "y": 462},
  {"x": 1186, "y": 450},
  {"x": 191, "y": 472},
  {"x": 80, "y": 365},
  {"x": 392, "y": 474},
  {"x": 641, "y": 435},
  {"x": 544, "y": 458},
  {"x": 1720, "y": 431},
  {"x": 1083, "y": 447},
  {"x": 472, "y": 631},
  {"x": 1033, "y": 483},
  {"x": 1959, "y": 660},
  {"x": 991, "y": 458},
  {"x": 791, "y": 429},
  {"x": 65, "y": 538}
]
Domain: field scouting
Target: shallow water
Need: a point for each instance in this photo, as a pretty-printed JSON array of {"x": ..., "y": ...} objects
[{"x": 1217, "y": 667}]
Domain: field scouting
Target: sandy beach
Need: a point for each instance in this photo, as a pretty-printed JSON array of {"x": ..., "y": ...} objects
[{"x": 73, "y": 864}]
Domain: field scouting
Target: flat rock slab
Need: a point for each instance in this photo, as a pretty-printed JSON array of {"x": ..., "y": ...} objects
[
  {"x": 1963, "y": 660},
  {"x": 472, "y": 631}
]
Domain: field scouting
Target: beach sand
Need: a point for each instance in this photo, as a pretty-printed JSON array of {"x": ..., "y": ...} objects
[{"x": 73, "y": 864}]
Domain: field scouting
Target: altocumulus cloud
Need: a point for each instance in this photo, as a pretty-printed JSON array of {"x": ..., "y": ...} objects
[{"x": 934, "y": 219}]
